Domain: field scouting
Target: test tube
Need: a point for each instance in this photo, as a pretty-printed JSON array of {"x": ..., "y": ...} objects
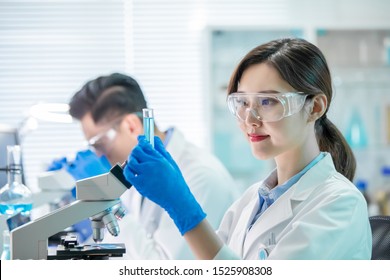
[{"x": 148, "y": 125}]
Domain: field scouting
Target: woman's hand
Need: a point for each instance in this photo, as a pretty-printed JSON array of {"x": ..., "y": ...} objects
[{"x": 155, "y": 175}]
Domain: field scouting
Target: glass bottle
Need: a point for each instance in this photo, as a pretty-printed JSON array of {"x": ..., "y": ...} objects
[
  {"x": 356, "y": 134},
  {"x": 15, "y": 196}
]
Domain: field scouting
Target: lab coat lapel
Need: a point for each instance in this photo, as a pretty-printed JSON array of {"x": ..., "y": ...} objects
[
  {"x": 238, "y": 236},
  {"x": 275, "y": 215}
]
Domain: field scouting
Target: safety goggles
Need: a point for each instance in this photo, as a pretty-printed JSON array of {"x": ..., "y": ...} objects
[
  {"x": 101, "y": 142},
  {"x": 266, "y": 107}
]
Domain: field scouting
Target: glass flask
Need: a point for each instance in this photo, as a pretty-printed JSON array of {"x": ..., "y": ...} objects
[{"x": 15, "y": 196}]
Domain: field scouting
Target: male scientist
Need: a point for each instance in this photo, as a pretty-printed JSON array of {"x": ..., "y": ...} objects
[{"x": 109, "y": 109}]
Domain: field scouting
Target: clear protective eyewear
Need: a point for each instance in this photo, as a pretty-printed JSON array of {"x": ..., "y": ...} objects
[
  {"x": 266, "y": 107},
  {"x": 100, "y": 142}
]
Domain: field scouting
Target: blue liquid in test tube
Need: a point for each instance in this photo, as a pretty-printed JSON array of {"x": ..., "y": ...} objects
[{"x": 148, "y": 125}]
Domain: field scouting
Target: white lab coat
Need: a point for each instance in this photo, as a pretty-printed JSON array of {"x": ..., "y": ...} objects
[
  {"x": 322, "y": 216},
  {"x": 210, "y": 183}
]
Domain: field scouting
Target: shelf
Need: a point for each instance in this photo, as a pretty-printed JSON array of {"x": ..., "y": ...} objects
[{"x": 355, "y": 48}]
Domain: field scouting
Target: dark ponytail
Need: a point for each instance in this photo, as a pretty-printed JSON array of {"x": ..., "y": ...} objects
[
  {"x": 303, "y": 66},
  {"x": 330, "y": 139}
]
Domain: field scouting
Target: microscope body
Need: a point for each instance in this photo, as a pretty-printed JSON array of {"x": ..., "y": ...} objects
[{"x": 95, "y": 195}]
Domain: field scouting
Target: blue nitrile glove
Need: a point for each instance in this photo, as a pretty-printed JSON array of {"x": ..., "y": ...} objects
[
  {"x": 57, "y": 164},
  {"x": 156, "y": 176},
  {"x": 87, "y": 164},
  {"x": 83, "y": 229}
]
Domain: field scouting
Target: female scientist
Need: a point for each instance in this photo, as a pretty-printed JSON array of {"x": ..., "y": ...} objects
[{"x": 306, "y": 208}]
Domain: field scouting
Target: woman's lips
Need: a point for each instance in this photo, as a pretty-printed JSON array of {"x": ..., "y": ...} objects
[{"x": 257, "y": 138}]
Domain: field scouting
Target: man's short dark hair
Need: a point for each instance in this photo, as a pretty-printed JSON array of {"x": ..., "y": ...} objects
[{"x": 107, "y": 98}]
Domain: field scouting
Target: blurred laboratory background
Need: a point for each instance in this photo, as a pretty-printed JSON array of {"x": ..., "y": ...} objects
[{"x": 183, "y": 52}]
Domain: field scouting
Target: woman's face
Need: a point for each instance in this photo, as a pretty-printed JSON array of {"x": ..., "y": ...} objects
[{"x": 270, "y": 139}]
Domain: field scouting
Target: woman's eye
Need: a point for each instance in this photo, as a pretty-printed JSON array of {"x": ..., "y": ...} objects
[{"x": 267, "y": 101}]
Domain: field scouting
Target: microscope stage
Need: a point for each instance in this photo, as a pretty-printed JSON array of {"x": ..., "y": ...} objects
[{"x": 89, "y": 252}]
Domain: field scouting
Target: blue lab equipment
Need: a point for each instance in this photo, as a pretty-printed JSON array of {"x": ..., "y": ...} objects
[{"x": 356, "y": 134}]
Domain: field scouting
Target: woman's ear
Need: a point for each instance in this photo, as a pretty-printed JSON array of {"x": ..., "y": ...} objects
[{"x": 318, "y": 106}]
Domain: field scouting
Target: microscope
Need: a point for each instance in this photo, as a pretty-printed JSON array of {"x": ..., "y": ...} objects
[{"x": 97, "y": 199}]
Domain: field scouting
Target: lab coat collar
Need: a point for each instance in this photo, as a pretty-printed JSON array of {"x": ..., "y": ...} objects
[
  {"x": 243, "y": 224},
  {"x": 273, "y": 216},
  {"x": 321, "y": 171}
]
